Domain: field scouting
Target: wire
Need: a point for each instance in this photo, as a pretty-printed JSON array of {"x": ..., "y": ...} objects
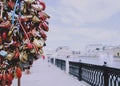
[
  {"x": 14, "y": 12},
  {"x": 23, "y": 29}
]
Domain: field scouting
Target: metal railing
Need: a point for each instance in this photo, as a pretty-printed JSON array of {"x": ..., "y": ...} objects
[
  {"x": 60, "y": 63},
  {"x": 95, "y": 75}
]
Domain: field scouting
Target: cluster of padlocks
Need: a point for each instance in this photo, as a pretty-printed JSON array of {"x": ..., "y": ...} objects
[{"x": 23, "y": 24}]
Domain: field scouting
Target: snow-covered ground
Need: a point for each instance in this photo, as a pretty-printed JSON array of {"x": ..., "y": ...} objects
[{"x": 45, "y": 74}]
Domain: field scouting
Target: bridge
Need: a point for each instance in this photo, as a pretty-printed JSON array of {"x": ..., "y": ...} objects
[
  {"x": 45, "y": 74},
  {"x": 62, "y": 72}
]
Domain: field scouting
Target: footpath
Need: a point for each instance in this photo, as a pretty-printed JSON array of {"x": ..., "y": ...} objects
[{"x": 45, "y": 74}]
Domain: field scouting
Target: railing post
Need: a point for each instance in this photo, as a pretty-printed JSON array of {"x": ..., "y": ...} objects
[
  {"x": 61, "y": 64},
  {"x": 19, "y": 81},
  {"x": 80, "y": 72},
  {"x": 67, "y": 66},
  {"x": 106, "y": 77}
]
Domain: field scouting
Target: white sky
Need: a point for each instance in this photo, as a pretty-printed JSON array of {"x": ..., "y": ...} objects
[{"x": 77, "y": 23}]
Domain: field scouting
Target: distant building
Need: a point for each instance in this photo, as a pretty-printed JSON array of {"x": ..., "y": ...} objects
[
  {"x": 63, "y": 51},
  {"x": 93, "y": 50},
  {"x": 116, "y": 52}
]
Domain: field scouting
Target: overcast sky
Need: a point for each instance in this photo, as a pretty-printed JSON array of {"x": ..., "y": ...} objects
[{"x": 77, "y": 23}]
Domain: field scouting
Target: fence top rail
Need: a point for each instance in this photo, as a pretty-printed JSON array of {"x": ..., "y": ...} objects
[
  {"x": 60, "y": 60},
  {"x": 96, "y": 67}
]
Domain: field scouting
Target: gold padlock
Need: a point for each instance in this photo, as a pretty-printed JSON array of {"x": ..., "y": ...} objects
[
  {"x": 10, "y": 56},
  {"x": 33, "y": 51},
  {"x": 23, "y": 56},
  {"x": 41, "y": 51},
  {"x": 36, "y": 19},
  {"x": 36, "y": 42},
  {"x": 29, "y": 1},
  {"x": 1, "y": 47}
]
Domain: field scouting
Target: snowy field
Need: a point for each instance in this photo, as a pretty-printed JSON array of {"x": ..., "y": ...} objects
[{"x": 45, "y": 74}]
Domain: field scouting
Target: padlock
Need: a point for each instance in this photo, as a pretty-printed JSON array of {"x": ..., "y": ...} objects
[
  {"x": 43, "y": 35},
  {"x": 5, "y": 24},
  {"x": 43, "y": 16},
  {"x": 44, "y": 26},
  {"x": 18, "y": 72},
  {"x": 33, "y": 51},
  {"x": 10, "y": 56},
  {"x": 1, "y": 76},
  {"x": 12, "y": 30},
  {"x": 36, "y": 42},
  {"x": 1, "y": 11},
  {"x": 43, "y": 5},
  {"x": 3, "y": 53},
  {"x": 10, "y": 76},
  {"x": 41, "y": 51},
  {"x": 33, "y": 32},
  {"x": 29, "y": 46},
  {"x": 23, "y": 56},
  {"x": 16, "y": 56},
  {"x": 23, "y": 8},
  {"x": 11, "y": 4},
  {"x": 36, "y": 19},
  {"x": 26, "y": 18},
  {"x": 4, "y": 35},
  {"x": 29, "y": 1},
  {"x": 37, "y": 7},
  {"x": 9, "y": 39},
  {"x": 0, "y": 40}
]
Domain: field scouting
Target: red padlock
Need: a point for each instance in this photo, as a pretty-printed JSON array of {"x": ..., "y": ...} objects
[
  {"x": 5, "y": 24},
  {"x": 29, "y": 46},
  {"x": 5, "y": 76},
  {"x": 16, "y": 44},
  {"x": 18, "y": 72},
  {"x": 4, "y": 35},
  {"x": 1, "y": 76},
  {"x": 9, "y": 79},
  {"x": 43, "y": 5},
  {"x": 11, "y": 4},
  {"x": 43, "y": 35},
  {"x": 44, "y": 26},
  {"x": 10, "y": 76},
  {"x": 43, "y": 16},
  {"x": 16, "y": 54}
]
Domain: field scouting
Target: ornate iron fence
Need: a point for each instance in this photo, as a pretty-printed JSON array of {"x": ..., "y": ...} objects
[
  {"x": 95, "y": 75},
  {"x": 60, "y": 63}
]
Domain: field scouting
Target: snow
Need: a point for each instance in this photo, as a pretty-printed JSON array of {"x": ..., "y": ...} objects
[{"x": 45, "y": 74}]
